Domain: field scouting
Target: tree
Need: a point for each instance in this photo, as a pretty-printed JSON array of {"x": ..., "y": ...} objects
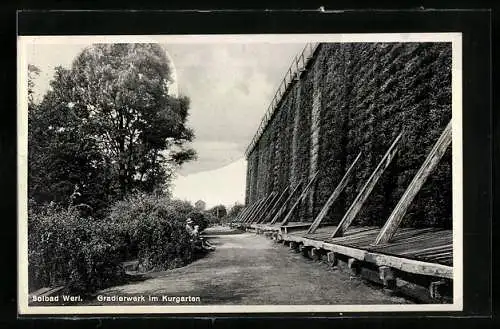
[
  {"x": 218, "y": 211},
  {"x": 63, "y": 154},
  {"x": 200, "y": 205},
  {"x": 235, "y": 210},
  {"x": 113, "y": 104},
  {"x": 33, "y": 73}
]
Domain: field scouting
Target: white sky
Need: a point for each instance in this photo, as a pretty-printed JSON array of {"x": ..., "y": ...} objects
[{"x": 230, "y": 87}]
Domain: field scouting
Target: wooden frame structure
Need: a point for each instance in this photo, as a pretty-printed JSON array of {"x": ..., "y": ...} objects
[
  {"x": 285, "y": 204},
  {"x": 340, "y": 187},
  {"x": 384, "y": 236},
  {"x": 430, "y": 163},
  {"x": 299, "y": 199},
  {"x": 362, "y": 196},
  {"x": 257, "y": 209},
  {"x": 276, "y": 206}
]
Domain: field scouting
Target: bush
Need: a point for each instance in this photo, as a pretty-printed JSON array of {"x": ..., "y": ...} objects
[
  {"x": 83, "y": 254},
  {"x": 67, "y": 249},
  {"x": 202, "y": 219},
  {"x": 152, "y": 229}
]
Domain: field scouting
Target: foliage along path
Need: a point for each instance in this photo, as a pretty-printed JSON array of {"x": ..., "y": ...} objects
[{"x": 250, "y": 269}]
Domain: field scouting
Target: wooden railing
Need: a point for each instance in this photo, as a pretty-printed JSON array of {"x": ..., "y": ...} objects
[{"x": 298, "y": 65}]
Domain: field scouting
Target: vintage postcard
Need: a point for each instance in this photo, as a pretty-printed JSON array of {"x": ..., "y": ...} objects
[{"x": 240, "y": 173}]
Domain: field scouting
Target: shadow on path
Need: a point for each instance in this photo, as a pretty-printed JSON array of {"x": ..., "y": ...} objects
[{"x": 250, "y": 269}]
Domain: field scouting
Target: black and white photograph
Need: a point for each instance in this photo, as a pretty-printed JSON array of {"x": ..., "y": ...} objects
[{"x": 240, "y": 173}]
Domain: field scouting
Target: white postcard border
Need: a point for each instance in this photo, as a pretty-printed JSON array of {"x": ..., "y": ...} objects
[{"x": 457, "y": 172}]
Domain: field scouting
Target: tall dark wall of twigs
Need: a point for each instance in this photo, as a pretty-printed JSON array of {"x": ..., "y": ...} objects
[{"x": 369, "y": 93}]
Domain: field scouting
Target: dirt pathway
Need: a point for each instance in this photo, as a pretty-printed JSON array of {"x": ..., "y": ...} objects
[{"x": 250, "y": 269}]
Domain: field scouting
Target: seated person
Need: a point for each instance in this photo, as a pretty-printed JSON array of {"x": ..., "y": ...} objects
[{"x": 195, "y": 233}]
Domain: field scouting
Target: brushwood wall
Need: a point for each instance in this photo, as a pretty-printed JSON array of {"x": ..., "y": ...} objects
[{"x": 356, "y": 97}]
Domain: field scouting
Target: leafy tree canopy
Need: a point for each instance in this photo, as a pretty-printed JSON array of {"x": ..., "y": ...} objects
[
  {"x": 200, "y": 205},
  {"x": 219, "y": 211},
  {"x": 108, "y": 124}
]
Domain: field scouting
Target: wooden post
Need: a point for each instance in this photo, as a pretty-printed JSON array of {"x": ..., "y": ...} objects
[
  {"x": 276, "y": 205},
  {"x": 301, "y": 197},
  {"x": 367, "y": 188},
  {"x": 353, "y": 265},
  {"x": 435, "y": 289},
  {"x": 340, "y": 187},
  {"x": 331, "y": 258},
  {"x": 387, "y": 276},
  {"x": 314, "y": 254},
  {"x": 391, "y": 225},
  {"x": 285, "y": 204}
]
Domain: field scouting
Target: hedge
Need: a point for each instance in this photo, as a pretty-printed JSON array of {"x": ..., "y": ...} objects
[{"x": 85, "y": 254}]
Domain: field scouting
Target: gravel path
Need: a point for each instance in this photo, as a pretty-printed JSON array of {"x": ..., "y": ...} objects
[{"x": 251, "y": 269}]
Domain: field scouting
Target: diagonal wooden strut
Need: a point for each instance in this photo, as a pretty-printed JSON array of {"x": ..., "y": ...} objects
[
  {"x": 264, "y": 208},
  {"x": 257, "y": 205},
  {"x": 299, "y": 200},
  {"x": 276, "y": 205},
  {"x": 244, "y": 212},
  {"x": 438, "y": 150},
  {"x": 270, "y": 206},
  {"x": 285, "y": 204},
  {"x": 238, "y": 217},
  {"x": 340, "y": 187},
  {"x": 367, "y": 188},
  {"x": 264, "y": 205},
  {"x": 251, "y": 209},
  {"x": 251, "y": 218}
]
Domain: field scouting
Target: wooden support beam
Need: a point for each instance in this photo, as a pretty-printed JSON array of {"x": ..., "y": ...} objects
[
  {"x": 331, "y": 258},
  {"x": 314, "y": 254},
  {"x": 303, "y": 249},
  {"x": 253, "y": 207},
  {"x": 357, "y": 204},
  {"x": 275, "y": 207},
  {"x": 247, "y": 211},
  {"x": 285, "y": 204},
  {"x": 252, "y": 218},
  {"x": 264, "y": 206},
  {"x": 263, "y": 214},
  {"x": 294, "y": 245},
  {"x": 242, "y": 214},
  {"x": 438, "y": 150},
  {"x": 256, "y": 204},
  {"x": 410, "y": 265},
  {"x": 340, "y": 187},
  {"x": 353, "y": 265},
  {"x": 387, "y": 276},
  {"x": 300, "y": 199},
  {"x": 250, "y": 212},
  {"x": 436, "y": 288}
]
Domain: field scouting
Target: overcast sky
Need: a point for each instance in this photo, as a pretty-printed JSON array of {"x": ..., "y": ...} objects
[{"x": 230, "y": 87}]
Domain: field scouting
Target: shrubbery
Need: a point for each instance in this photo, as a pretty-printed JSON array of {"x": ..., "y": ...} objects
[
  {"x": 84, "y": 254},
  {"x": 67, "y": 249}
]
